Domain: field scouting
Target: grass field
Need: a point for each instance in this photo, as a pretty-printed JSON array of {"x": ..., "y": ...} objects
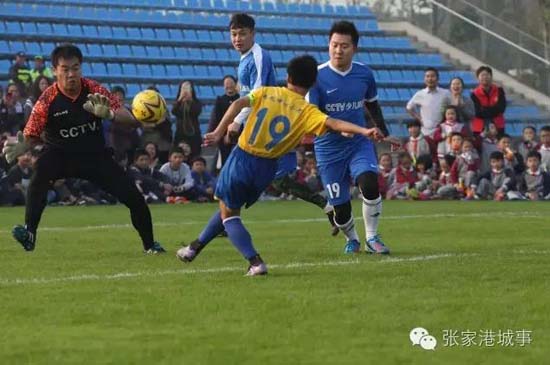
[{"x": 88, "y": 295}]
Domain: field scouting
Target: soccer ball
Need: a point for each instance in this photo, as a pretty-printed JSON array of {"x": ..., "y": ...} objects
[{"x": 149, "y": 107}]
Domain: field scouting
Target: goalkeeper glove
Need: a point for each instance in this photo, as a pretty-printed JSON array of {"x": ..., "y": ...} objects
[
  {"x": 99, "y": 105},
  {"x": 13, "y": 149}
]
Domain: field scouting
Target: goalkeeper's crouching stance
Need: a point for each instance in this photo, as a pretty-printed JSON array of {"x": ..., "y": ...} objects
[{"x": 67, "y": 120}]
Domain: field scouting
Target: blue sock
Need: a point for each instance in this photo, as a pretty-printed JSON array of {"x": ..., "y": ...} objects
[
  {"x": 239, "y": 237},
  {"x": 212, "y": 229}
]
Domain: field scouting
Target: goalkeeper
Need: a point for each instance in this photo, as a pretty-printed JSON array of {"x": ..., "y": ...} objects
[{"x": 67, "y": 119}]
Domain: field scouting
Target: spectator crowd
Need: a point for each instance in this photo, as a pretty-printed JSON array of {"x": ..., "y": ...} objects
[{"x": 457, "y": 147}]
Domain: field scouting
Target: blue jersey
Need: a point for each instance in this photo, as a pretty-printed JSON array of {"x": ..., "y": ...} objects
[
  {"x": 255, "y": 70},
  {"x": 342, "y": 95}
]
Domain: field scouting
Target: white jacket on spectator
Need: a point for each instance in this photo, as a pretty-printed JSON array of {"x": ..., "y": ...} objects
[{"x": 181, "y": 177}]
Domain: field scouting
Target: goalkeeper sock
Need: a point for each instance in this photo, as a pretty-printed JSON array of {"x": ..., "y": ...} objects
[
  {"x": 239, "y": 237},
  {"x": 212, "y": 229}
]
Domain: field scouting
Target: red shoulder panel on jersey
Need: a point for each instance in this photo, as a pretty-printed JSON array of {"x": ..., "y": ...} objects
[
  {"x": 96, "y": 87},
  {"x": 39, "y": 115}
]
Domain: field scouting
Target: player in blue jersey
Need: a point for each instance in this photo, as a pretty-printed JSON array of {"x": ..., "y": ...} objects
[
  {"x": 256, "y": 70},
  {"x": 347, "y": 90}
]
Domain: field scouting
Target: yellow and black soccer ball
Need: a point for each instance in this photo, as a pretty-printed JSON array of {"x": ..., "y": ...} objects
[{"x": 149, "y": 107}]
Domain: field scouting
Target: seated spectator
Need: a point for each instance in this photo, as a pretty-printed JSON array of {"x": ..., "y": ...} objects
[
  {"x": 417, "y": 144},
  {"x": 512, "y": 159},
  {"x": 152, "y": 184},
  {"x": 178, "y": 174},
  {"x": 152, "y": 150},
  {"x": 489, "y": 102},
  {"x": 452, "y": 145},
  {"x": 424, "y": 185},
  {"x": 534, "y": 184},
  {"x": 528, "y": 142},
  {"x": 37, "y": 88},
  {"x": 204, "y": 183},
  {"x": 544, "y": 148},
  {"x": 403, "y": 179},
  {"x": 499, "y": 183},
  {"x": 446, "y": 186},
  {"x": 19, "y": 177},
  {"x": 308, "y": 175},
  {"x": 11, "y": 110},
  {"x": 489, "y": 143},
  {"x": 385, "y": 171},
  {"x": 465, "y": 169}
]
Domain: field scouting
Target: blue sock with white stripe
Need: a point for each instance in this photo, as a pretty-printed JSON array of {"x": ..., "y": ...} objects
[
  {"x": 239, "y": 236},
  {"x": 212, "y": 229}
]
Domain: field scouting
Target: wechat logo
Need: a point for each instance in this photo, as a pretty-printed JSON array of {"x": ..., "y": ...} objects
[{"x": 420, "y": 336}]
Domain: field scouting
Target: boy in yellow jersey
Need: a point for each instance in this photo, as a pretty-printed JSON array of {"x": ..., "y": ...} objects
[{"x": 278, "y": 120}]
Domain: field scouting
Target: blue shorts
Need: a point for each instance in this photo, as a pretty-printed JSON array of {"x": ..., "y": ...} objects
[
  {"x": 243, "y": 178},
  {"x": 338, "y": 175},
  {"x": 286, "y": 165}
]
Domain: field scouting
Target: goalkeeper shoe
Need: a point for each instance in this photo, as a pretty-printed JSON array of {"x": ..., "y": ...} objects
[
  {"x": 352, "y": 246},
  {"x": 375, "y": 245},
  {"x": 155, "y": 249},
  {"x": 25, "y": 237},
  {"x": 188, "y": 253}
]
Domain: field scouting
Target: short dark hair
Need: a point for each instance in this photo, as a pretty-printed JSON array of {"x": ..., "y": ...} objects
[
  {"x": 176, "y": 149},
  {"x": 425, "y": 160},
  {"x": 449, "y": 159},
  {"x": 454, "y": 134},
  {"x": 496, "y": 155},
  {"x": 401, "y": 155},
  {"x": 534, "y": 154},
  {"x": 447, "y": 107},
  {"x": 66, "y": 51},
  {"x": 529, "y": 127},
  {"x": 347, "y": 28},
  {"x": 230, "y": 77},
  {"x": 414, "y": 123},
  {"x": 198, "y": 158},
  {"x": 504, "y": 135},
  {"x": 118, "y": 89},
  {"x": 546, "y": 128},
  {"x": 140, "y": 152},
  {"x": 242, "y": 20},
  {"x": 457, "y": 78},
  {"x": 433, "y": 69},
  {"x": 484, "y": 68},
  {"x": 302, "y": 71}
]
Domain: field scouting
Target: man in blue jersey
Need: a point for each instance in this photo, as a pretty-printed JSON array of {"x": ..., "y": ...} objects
[
  {"x": 347, "y": 90},
  {"x": 256, "y": 70}
]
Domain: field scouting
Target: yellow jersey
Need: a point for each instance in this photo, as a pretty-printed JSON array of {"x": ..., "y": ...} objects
[{"x": 278, "y": 120}]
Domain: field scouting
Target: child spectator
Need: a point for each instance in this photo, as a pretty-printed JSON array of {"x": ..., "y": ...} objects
[
  {"x": 152, "y": 184},
  {"x": 450, "y": 124},
  {"x": 308, "y": 175},
  {"x": 19, "y": 177},
  {"x": 451, "y": 146},
  {"x": 154, "y": 161},
  {"x": 178, "y": 174},
  {"x": 544, "y": 148},
  {"x": 499, "y": 183},
  {"x": 465, "y": 169},
  {"x": 528, "y": 142},
  {"x": 403, "y": 179},
  {"x": 385, "y": 171},
  {"x": 204, "y": 182},
  {"x": 447, "y": 187},
  {"x": 512, "y": 159},
  {"x": 489, "y": 139},
  {"x": 417, "y": 144},
  {"x": 424, "y": 185},
  {"x": 534, "y": 183}
]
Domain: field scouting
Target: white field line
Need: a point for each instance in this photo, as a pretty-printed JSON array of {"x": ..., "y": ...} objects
[
  {"x": 297, "y": 220},
  {"x": 275, "y": 267}
]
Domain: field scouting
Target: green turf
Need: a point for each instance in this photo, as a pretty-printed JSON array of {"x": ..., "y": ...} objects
[{"x": 88, "y": 295}]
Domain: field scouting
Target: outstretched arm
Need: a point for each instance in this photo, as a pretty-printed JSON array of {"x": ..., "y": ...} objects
[
  {"x": 234, "y": 109},
  {"x": 342, "y": 126}
]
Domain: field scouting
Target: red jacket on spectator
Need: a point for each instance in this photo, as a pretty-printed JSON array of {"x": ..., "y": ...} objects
[
  {"x": 488, "y": 106},
  {"x": 403, "y": 176}
]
